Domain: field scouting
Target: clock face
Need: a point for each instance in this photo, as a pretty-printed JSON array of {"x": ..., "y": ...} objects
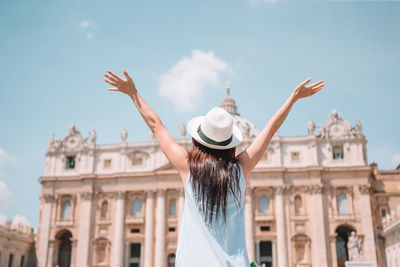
[
  {"x": 336, "y": 130},
  {"x": 72, "y": 142}
]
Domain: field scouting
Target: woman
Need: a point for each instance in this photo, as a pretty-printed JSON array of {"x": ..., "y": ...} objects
[{"x": 214, "y": 179}]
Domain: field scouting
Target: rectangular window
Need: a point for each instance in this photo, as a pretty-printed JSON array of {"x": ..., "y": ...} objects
[
  {"x": 172, "y": 209},
  {"x": 10, "y": 260},
  {"x": 135, "y": 250},
  {"x": 266, "y": 253},
  {"x": 134, "y": 256},
  {"x": 107, "y": 163},
  {"x": 22, "y": 261},
  {"x": 265, "y": 228},
  {"x": 295, "y": 156},
  {"x": 337, "y": 152},
  {"x": 137, "y": 161},
  {"x": 70, "y": 162},
  {"x": 171, "y": 229},
  {"x": 383, "y": 213},
  {"x": 135, "y": 230}
]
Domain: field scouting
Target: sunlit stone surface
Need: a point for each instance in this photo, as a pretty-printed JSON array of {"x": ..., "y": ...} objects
[{"x": 120, "y": 204}]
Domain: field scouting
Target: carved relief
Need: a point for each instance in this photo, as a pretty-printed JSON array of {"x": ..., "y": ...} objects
[
  {"x": 336, "y": 127},
  {"x": 86, "y": 195},
  {"x": 281, "y": 189},
  {"x": 364, "y": 188},
  {"x": 316, "y": 189},
  {"x": 49, "y": 198}
]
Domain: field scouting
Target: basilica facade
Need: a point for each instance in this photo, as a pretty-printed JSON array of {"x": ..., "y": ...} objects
[{"x": 308, "y": 201}]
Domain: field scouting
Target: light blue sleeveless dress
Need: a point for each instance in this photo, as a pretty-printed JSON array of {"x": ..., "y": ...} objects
[{"x": 223, "y": 245}]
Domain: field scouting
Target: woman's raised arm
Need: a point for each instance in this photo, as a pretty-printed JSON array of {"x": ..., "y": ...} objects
[
  {"x": 252, "y": 155},
  {"x": 175, "y": 153}
]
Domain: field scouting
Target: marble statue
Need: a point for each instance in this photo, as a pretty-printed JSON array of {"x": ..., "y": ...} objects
[
  {"x": 182, "y": 131},
  {"x": 354, "y": 246},
  {"x": 93, "y": 136},
  {"x": 124, "y": 135},
  {"x": 311, "y": 127}
]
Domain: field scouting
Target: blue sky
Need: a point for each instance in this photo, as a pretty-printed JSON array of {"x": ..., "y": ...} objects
[{"x": 54, "y": 53}]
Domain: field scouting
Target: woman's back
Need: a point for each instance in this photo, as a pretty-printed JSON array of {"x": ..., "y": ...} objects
[{"x": 217, "y": 245}]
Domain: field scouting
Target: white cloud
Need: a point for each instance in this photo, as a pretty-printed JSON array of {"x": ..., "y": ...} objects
[
  {"x": 185, "y": 82},
  {"x": 87, "y": 26},
  {"x": 5, "y": 195},
  {"x": 3, "y": 219},
  {"x": 396, "y": 159},
  {"x": 20, "y": 220}
]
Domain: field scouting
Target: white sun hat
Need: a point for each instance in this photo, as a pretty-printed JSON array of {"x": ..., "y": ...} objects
[{"x": 215, "y": 130}]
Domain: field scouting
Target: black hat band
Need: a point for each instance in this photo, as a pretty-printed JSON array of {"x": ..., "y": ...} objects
[{"x": 212, "y": 142}]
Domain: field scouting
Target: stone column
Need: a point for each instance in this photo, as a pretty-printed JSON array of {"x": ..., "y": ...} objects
[
  {"x": 160, "y": 229},
  {"x": 369, "y": 246},
  {"x": 319, "y": 246},
  {"x": 248, "y": 220},
  {"x": 149, "y": 222},
  {"x": 82, "y": 255},
  {"x": 52, "y": 253},
  {"x": 280, "y": 227},
  {"x": 117, "y": 256},
  {"x": 274, "y": 256},
  {"x": 44, "y": 235},
  {"x": 181, "y": 205}
]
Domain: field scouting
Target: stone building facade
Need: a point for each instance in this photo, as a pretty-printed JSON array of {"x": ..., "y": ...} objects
[
  {"x": 17, "y": 245},
  {"x": 121, "y": 204},
  {"x": 386, "y": 206}
]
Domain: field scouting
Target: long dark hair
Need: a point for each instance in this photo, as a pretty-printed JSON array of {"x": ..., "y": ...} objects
[{"x": 214, "y": 173}]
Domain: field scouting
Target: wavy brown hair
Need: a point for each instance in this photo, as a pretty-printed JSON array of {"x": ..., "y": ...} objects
[{"x": 214, "y": 174}]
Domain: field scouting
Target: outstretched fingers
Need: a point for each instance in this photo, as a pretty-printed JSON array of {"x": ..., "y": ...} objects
[
  {"x": 315, "y": 84},
  {"x": 306, "y": 81},
  {"x": 110, "y": 82},
  {"x": 111, "y": 78},
  {"x": 315, "y": 90},
  {"x": 127, "y": 76},
  {"x": 114, "y": 75}
]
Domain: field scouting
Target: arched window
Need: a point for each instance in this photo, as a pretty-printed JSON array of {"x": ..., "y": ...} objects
[
  {"x": 66, "y": 210},
  {"x": 171, "y": 260},
  {"x": 172, "y": 208},
  {"x": 64, "y": 248},
  {"x": 137, "y": 208},
  {"x": 104, "y": 209},
  {"x": 343, "y": 206},
  {"x": 297, "y": 204},
  {"x": 263, "y": 204},
  {"x": 342, "y": 236}
]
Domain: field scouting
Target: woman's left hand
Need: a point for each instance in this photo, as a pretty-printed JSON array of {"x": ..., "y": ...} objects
[
  {"x": 125, "y": 86},
  {"x": 303, "y": 90}
]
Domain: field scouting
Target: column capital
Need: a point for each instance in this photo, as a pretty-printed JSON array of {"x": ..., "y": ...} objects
[
  {"x": 102, "y": 195},
  {"x": 316, "y": 189},
  {"x": 86, "y": 195},
  {"x": 119, "y": 194},
  {"x": 150, "y": 192},
  {"x": 280, "y": 189},
  {"x": 49, "y": 198},
  {"x": 364, "y": 188},
  {"x": 161, "y": 191}
]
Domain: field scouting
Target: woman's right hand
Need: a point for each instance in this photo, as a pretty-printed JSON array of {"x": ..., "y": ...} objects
[
  {"x": 302, "y": 90},
  {"x": 125, "y": 86}
]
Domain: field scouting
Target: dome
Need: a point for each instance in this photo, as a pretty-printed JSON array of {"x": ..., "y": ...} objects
[{"x": 246, "y": 127}]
